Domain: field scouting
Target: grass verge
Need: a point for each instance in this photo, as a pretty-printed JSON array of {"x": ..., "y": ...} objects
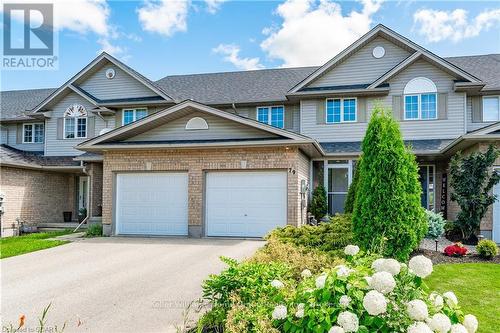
[
  {"x": 477, "y": 287},
  {"x": 14, "y": 246}
]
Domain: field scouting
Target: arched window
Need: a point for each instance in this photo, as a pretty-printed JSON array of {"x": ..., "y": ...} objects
[
  {"x": 196, "y": 123},
  {"x": 75, "y": 122},
  {"x": 420, "y": 96}
]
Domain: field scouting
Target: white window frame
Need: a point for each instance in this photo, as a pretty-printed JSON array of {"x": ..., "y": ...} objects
[
  {"x": 134, "y": 114},
  {"x": 482, "y": 106},
  {"x": 419, "y": 95},
  {"x": 269, "y": 107},
  {"x": 76, "y": 128},
  {"x": 33, "y": 133},
  {"x": 342, "y": 110},
  {"x": 434, "y": 185}
]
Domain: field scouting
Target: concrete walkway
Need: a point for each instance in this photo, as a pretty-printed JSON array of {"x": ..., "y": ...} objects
[{"x": 113, "y": 284}]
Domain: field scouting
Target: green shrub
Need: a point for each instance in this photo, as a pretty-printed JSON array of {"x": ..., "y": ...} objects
[
  {"x": 326, "y": 237},
  {"x": 471, "y": 182},
  {"x": 436, "y": 224},
  {"x": 319, "y": 204},
  {"x": 351, "y": 193},
  {"x": 94, "y": 230},
  {"x": 487, "y": 248},
  {"x": 387, "y": 208}
]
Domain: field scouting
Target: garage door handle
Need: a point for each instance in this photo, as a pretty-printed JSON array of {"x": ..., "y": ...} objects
[{"x": 245, "y": 215}]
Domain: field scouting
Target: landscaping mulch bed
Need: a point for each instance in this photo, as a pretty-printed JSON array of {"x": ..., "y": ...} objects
[{"x": 441, "y": 258}]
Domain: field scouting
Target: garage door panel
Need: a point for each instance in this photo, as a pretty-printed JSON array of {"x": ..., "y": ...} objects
[
  {"x": 152, "y": 204},
  {"x": 245, "y": 204}
]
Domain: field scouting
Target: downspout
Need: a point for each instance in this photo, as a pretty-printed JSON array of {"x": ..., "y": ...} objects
[{"x": 233, "y": 106}]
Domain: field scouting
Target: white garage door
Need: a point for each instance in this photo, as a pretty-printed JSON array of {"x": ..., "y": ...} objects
[
  {"x": 245, "y": 204},
  {"x": 152, "y": 204}
]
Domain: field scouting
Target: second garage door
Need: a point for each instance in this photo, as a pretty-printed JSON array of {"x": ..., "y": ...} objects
[
  {"x": 245, "y": 204},
  {"x": 152, "y": 204}
]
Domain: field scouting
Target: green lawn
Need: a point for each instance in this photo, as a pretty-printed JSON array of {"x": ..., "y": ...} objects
[
  {"x": 14, "y": 246},
  {"x": 477, "y": 287}
]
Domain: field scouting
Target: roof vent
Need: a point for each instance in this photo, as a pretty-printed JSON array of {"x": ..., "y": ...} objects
[
  {"x": 378, "y": 52},
  {"x": 196, "y": 123}
]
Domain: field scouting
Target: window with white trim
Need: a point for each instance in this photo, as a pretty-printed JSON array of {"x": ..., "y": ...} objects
[
  {"x": 341, "y": 110},
  {"x": 420, "y": 99},
  {"x": 491, "y": 108},
  {"x": 75, "y": 122},
  {"x": 131, "y": 115},
  {"x": 272, "y": 115},
  {"x": 33, "y": 133}
]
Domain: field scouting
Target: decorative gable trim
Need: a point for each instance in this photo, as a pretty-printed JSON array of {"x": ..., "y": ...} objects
[{"x": 93, "y": 63}]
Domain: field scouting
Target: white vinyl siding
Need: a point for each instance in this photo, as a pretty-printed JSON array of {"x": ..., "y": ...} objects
[
  {"x": 122, "y": 85},
  {"x": 361, "y": 67}
]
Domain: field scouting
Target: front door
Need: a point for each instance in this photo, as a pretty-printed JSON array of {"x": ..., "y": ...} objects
[
  {"x": 338, "y": 179},
  {"x": 83, "y": 192}
]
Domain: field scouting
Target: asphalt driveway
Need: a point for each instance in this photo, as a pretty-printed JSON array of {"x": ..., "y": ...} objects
[{"x": 113, "y": 284}]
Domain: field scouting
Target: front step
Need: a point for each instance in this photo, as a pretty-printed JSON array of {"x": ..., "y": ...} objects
[{"x": 57, "y": 226}]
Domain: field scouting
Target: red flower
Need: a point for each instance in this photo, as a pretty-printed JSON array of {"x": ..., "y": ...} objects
[{"x": 455, "y": 250}]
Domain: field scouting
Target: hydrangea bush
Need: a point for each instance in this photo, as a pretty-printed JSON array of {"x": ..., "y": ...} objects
[{"x": 368, "y": 295}]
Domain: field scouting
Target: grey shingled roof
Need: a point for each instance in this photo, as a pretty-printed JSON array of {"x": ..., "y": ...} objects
[
  {"x": 12, "y": 156},
  {"x": 355, "y": 146},
  {"x": 15, "y": 102},
  {"x": 265, "y": 85},
  {"x": 485, "y": 67}
]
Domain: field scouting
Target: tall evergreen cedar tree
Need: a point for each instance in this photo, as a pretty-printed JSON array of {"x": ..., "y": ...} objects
[
  {"x": 319, "y": 204},
  {"x": 472, "y": 183},
  {"x": 387, "y": 214}
]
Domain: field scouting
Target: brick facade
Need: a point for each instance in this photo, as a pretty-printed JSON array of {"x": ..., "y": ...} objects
[
  {"x": 36, "y": 196},
  {"x": 94, "y": 171},
  {"x": 198, "y": 161}
]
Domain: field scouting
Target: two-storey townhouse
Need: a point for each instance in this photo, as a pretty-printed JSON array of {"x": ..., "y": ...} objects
[{"x": 238, "y": 153}]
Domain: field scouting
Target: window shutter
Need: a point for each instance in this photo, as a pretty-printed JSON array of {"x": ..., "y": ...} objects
[
  {"x": 252, "y": 113},
  {"x": 361, "y": 110},
  {"x": 90, "y": 127},
  {"x": 289, "y": 113},
  {"x": 396, "y": 107},
  {"x": 60, "y": 128},
  {"x": 477, "y": 109},
  {"x": 442, "y": 106},
  {"x": 19, "y": 134},
  {"x": 320, "y": 112}
]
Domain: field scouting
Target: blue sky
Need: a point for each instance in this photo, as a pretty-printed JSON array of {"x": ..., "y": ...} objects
[{"x": 181, "y": 37}]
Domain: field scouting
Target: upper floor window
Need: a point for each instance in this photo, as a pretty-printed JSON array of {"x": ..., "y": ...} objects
[
  {"x": 491, "y": 108},
  {"x": 33, "y": 133},
  {"x": 131, "y": 115},
  {"x": 75, "y": 122},
  {"x": 420, "y": 99},
  {"x": 272, "y": 115},
  {"x": 340, "y": 110}
]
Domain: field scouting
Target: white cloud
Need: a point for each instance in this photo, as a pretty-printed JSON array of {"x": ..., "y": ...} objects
[
  {"x": 312, "y": 33},
  {"x": 165, "y": 17},
  {"x": 213, "y": 5},
  {"x": 439, "y": 25},
  {"x": 231, "y": 54}
]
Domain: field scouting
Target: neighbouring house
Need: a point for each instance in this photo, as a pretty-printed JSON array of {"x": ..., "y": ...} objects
[{"x": 237, "y": 153}]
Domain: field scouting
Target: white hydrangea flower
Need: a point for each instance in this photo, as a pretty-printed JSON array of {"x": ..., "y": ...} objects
[
  {"x": 343, "y": 271},
  {"x": 383, "y": 282},
  {"x": 391, "y": 266},
  {"x": 470, "y": 323},
  {"x": 440, "y": 323},
  {"x": 349, "y": 321},
  {"x": 437, "y": 300},
  {"x": 419, "y": 327},
  {"x": 375, "y": 303},
  {"x": 451, "y": 299},
  {"x": 306, "y": 273},
  {"x": 369, "y": 281},
  {"x": 300, "y": 310},
  {"x": 336, "y": 329},
  {"x": 420, "y": 266},
  {"x": 458, "y": 328},
  {"x": 279, "y": 312},
  {"x": 277, "y": 284},
  {"x": 344, "y": 301},
  {"x": 320, "y": 281},
  {"x": 378, "y": 264},
  {"x": 351, "y": 250},
  {"x": 417, "y": 309}
]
